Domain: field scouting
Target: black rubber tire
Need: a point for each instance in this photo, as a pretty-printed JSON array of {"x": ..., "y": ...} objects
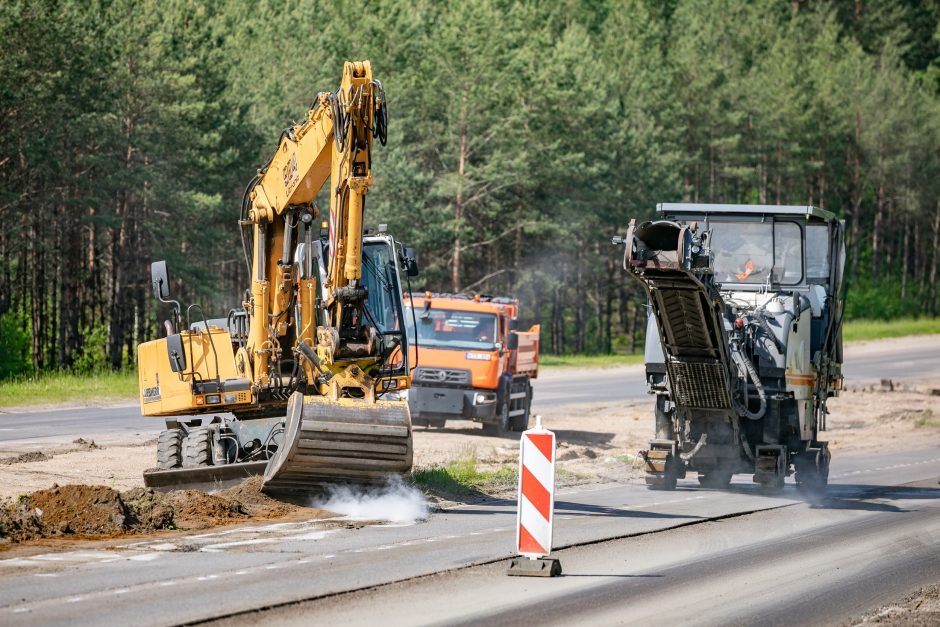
[
  {"x": 520, "y": 423},
  {"x": 809, "y": 478},
  {"x": 500, "y": 428},
  {"x": 197, "y": 448},
  {"x": 664, "y": 482},
  {"x": 170, "y": 449}
]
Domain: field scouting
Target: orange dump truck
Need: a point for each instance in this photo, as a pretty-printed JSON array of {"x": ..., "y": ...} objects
[{"x": 472, "y": 362}]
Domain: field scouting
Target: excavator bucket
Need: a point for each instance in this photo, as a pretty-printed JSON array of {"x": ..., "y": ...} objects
[{"x": 345, "y": 441}]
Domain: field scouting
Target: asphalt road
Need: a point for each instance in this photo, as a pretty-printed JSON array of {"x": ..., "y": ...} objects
[
  {"x": 791, "y": 561},
  {"x": 554, "y": 386}
]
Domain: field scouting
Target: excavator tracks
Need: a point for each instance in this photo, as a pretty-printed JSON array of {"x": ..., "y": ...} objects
[{"x": 346, "y": 441}]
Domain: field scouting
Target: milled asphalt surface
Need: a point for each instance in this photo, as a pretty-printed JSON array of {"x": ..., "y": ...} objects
[
  {"x": 179, "y": 579},
  {"x": 554, "y": 386}
]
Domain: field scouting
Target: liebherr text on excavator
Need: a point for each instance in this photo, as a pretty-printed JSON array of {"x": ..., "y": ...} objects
[{"x": 309, "y": 370}]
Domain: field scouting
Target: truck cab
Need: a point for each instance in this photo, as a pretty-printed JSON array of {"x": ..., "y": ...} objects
[{"x": 472, "y": 362}]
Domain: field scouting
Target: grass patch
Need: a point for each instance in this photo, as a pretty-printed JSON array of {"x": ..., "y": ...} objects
[
  {"x": 927, "y": 420},
  {"x": 55, "y": 388},
  {"x": 589, "y": 361},
  {"x": 860, "y": 330},
  {"x": 461, "y": 478}
]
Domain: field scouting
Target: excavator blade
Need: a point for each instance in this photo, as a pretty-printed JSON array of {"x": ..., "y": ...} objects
[
  {"x": 345, "y": 441},
  {"x": 202, "y": 477}
]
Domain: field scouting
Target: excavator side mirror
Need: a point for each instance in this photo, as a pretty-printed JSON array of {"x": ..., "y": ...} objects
[
  {"x": 410, "y": 258},
  {"x": 161, "y": 284}
]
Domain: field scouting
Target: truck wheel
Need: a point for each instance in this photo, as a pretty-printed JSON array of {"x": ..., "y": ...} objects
[
  {"x": 521, "y": 422},
  {"x": 169, "y": 449},
  {"x": 501, "y": 427},
  {"x": 197, "y": 448}
]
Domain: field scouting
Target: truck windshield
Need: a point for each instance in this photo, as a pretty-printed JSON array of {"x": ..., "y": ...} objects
[
  {"x": 447, "y": 328},
  {"x": 757, "y": 252}
]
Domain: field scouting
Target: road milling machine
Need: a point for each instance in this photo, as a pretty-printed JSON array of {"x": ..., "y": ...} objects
[
  {"x": 743, "y": 342},
  {"x": 309, "y": 371}
]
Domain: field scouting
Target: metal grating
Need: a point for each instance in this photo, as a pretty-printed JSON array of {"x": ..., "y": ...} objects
[{"x": 699, "y": 384}]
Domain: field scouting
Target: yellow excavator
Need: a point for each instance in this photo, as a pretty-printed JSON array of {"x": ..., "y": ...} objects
[{"x": 302, "y": 384}]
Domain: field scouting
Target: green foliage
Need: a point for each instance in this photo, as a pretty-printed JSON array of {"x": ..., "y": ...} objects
[
  {"x": 94, "y": 357},
  {"x": 14, "y": 346},
  {"x": 522, "y": 136}
]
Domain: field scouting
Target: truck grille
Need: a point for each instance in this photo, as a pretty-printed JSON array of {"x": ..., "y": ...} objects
[{"x": 442, "y": 376}]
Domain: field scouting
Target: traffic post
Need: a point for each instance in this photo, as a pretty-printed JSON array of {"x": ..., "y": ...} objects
[{"x": 536, "y": 504}]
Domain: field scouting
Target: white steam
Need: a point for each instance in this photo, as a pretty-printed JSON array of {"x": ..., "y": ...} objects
[{"x": 394, "y": 502}]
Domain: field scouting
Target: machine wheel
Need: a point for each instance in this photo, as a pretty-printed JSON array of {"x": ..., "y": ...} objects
[
  {"x": 772, "y": 486},
  {"x": 715, "y": 480},
  {"x": 197, "y": 448},
  {"x": 169, "y": 449},
  {"x": 661, "y": 482},
  {"x": 812, "y": 470}
]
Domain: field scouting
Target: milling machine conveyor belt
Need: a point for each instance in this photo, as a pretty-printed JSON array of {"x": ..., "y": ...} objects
[
  {"x": 688, "y": 310},
  {"x": 346, "y": 441}
]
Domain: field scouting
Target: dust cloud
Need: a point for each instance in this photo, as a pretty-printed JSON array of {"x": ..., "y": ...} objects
[{"x": 393, "y": 502}]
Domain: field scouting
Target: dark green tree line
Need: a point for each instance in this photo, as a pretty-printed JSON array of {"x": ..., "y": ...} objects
[{"x": 522, "y": 136}]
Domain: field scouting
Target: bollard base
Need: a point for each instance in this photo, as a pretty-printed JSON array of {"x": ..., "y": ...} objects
[{"x": 541, "y": 567}]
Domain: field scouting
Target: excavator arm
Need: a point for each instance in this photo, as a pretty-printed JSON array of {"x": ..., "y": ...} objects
[{"x": 333, "y": 143}]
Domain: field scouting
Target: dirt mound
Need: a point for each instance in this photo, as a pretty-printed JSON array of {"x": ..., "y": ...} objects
[
  {"x": 99, "y": 511},
  {"x": 258, "y": 504},
  {"x": 195, "y": 509},
  {"x": 32, "y": 456}
]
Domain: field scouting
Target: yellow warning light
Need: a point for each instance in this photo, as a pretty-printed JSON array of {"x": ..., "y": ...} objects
[
  {"x": 427, "y": 294},
  {"x": 476, "y": 297},
  {"x": 324, "y": 225}
]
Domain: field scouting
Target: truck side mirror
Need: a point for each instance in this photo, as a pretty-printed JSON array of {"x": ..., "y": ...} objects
[
  {"x": 161, "y": 284},
  {"x": 512, "y": 341},
  {"x": 513, "y": 324},
  {"x": 411, "y": 261}
]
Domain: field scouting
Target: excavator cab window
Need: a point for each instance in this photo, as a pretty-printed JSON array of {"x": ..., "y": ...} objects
[{"x": 383, "y": 303}]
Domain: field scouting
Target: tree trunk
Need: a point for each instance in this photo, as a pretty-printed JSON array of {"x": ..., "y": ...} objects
[
  {"x": 458, "y": 199},
  {"x": 876, "y": 237},
  {"x": 932, "y": 304},
  {"x": 905, "y": 255}
]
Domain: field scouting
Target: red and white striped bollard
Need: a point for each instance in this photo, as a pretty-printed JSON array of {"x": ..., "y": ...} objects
[{"x": 536, "y": 504}]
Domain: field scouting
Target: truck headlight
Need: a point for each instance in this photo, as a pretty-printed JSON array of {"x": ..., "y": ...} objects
[{"x": 484, "y": 398}]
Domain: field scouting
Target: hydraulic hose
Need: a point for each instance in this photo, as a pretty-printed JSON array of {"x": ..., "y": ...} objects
[
  {"x": 763, "y": 324},
  {"x": 748, "y": 368}
]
